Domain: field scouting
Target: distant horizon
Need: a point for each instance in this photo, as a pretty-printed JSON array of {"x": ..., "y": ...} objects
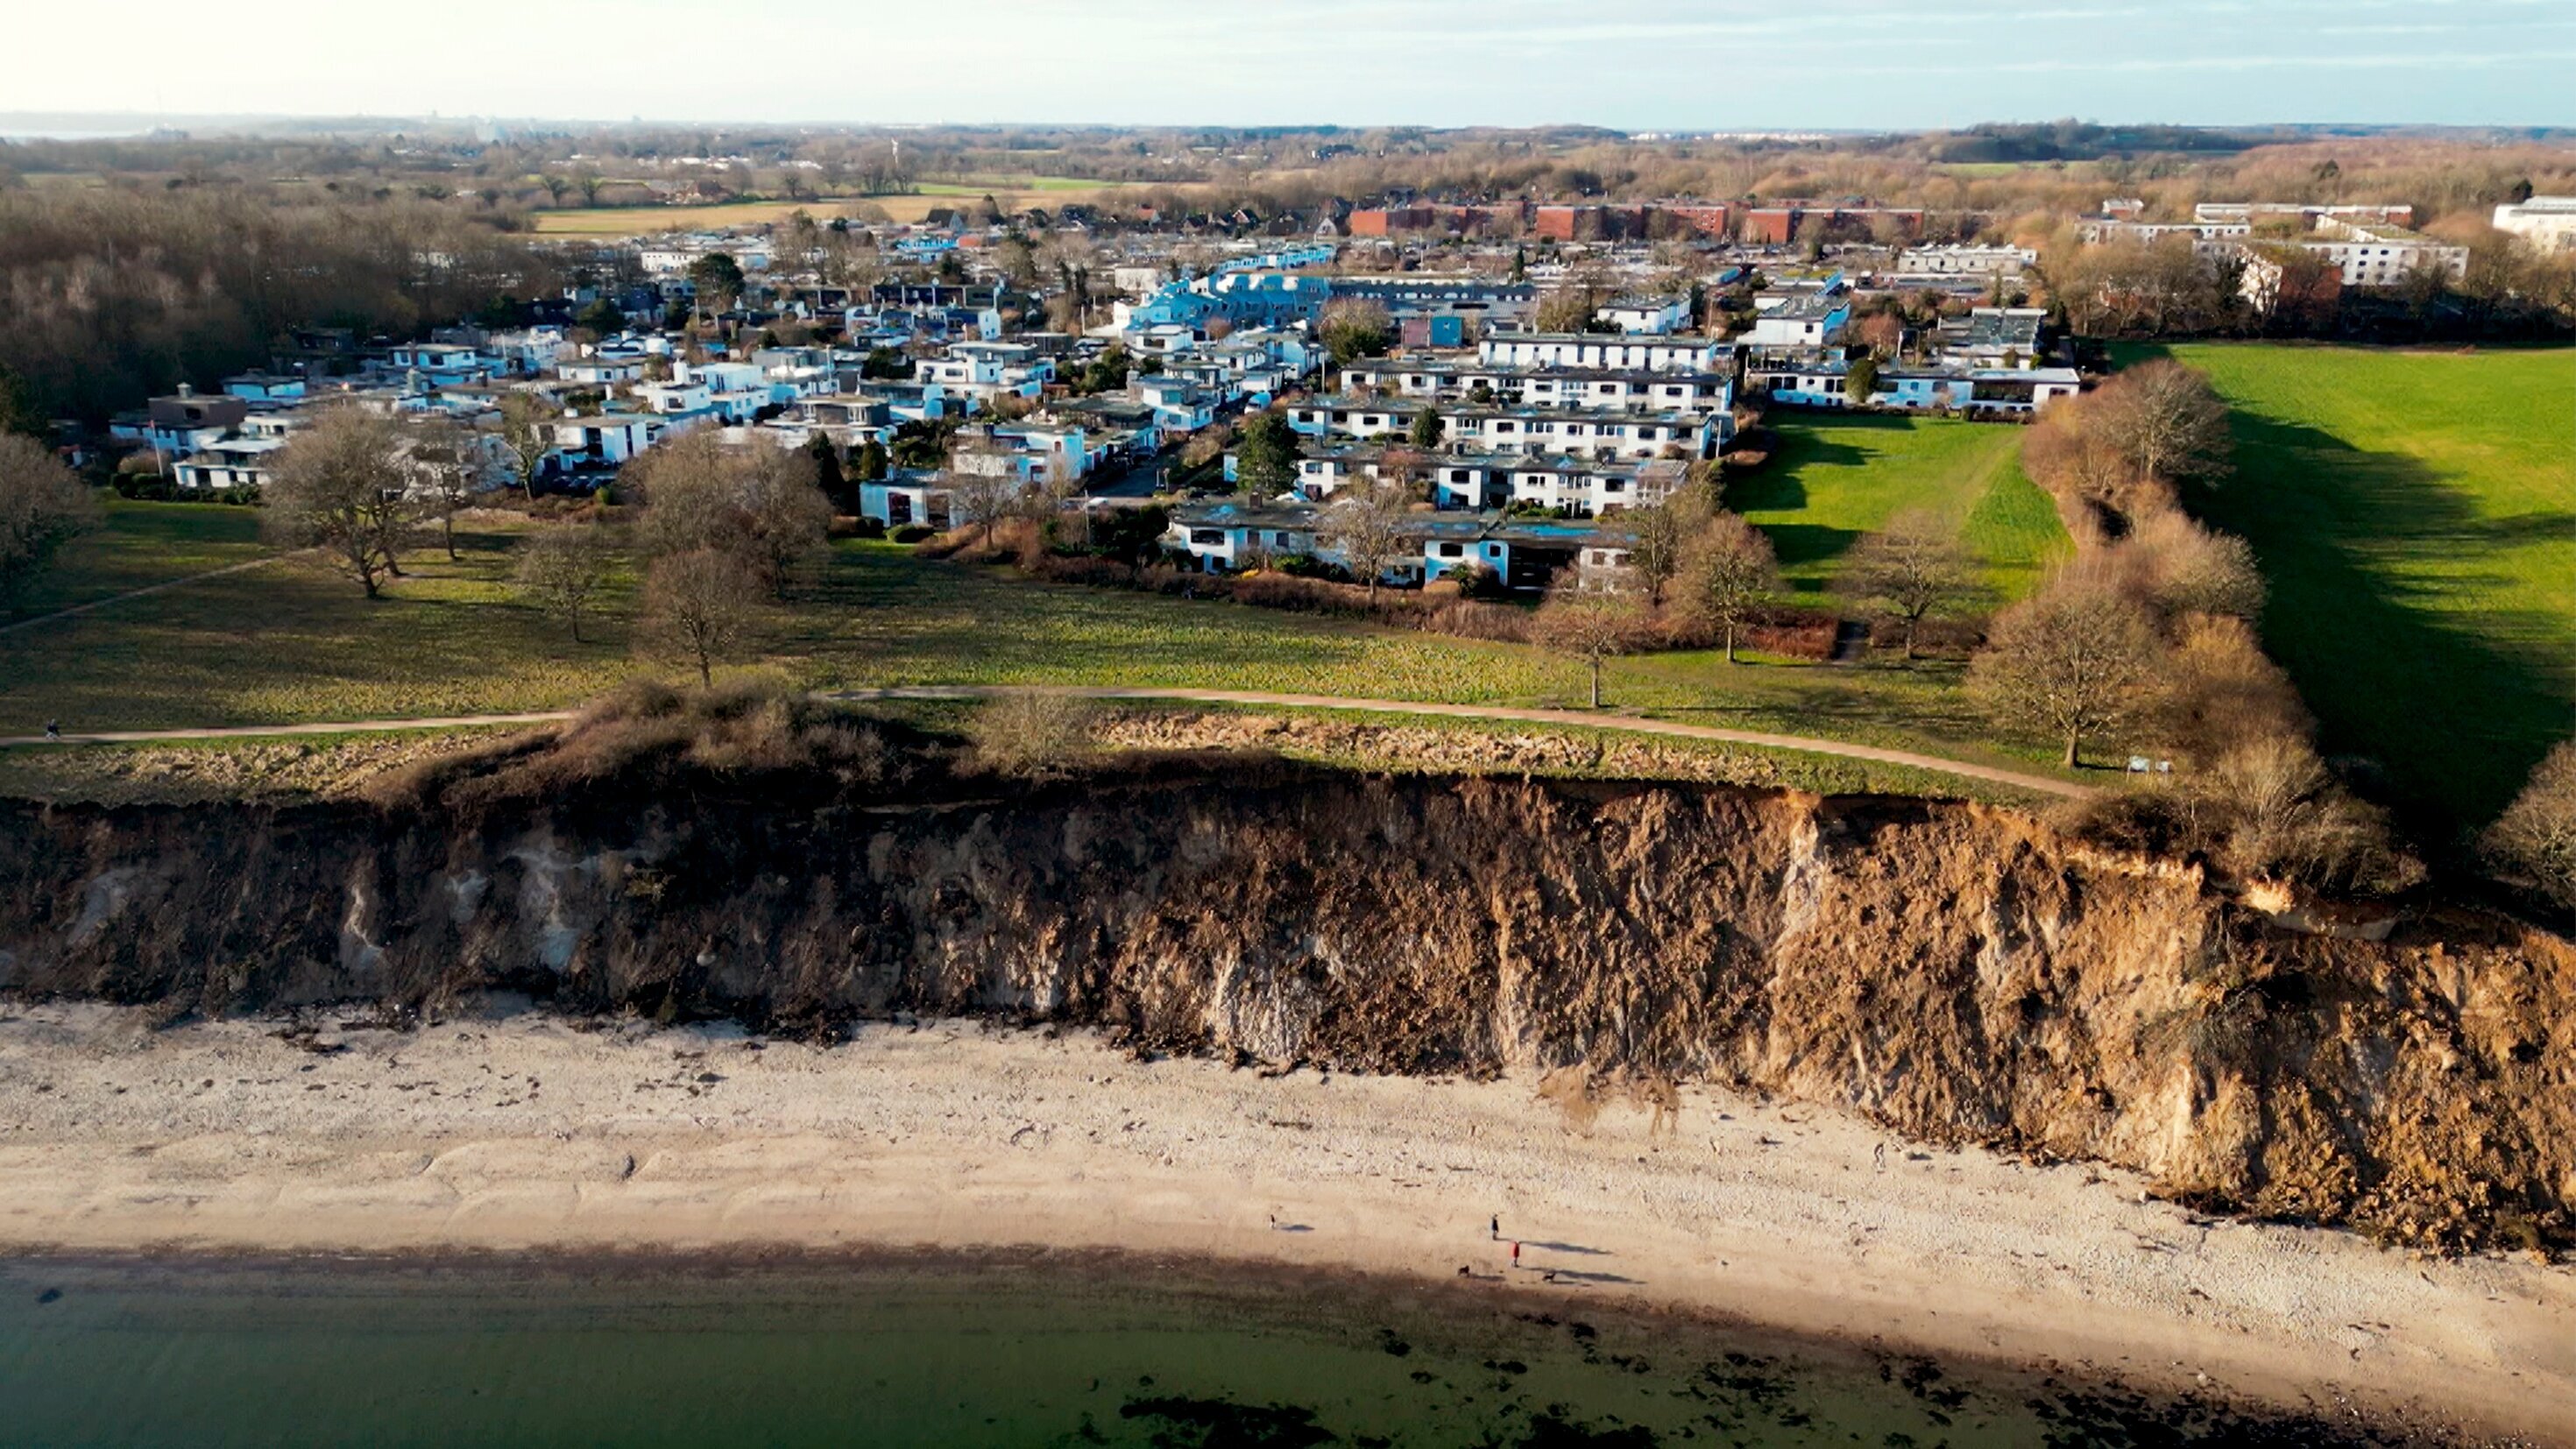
[
  {"x": 1628, "y": 65},
  {"x": 110, "y": 125}
]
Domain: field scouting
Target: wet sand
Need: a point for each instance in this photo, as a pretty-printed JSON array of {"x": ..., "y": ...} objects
[{"x": 529, "y": 1132}]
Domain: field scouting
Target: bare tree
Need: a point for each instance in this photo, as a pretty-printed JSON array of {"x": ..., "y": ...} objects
[
  {"x": 982, "y": 499},
  {"x": 42, "y": 507},
  {"x": 2536, "y": 835},
  {"x": 1056, "y": 496},
  {"x": 563, "y": 568},
  {"x": 1912, "y": 568},
  {"x": 760, "y": 502},
  {"x": 2195, "y": 571},
  {"x": 338, "y": 486},
  {"x": 1590, "y": 619},
  {"x": 2073, "y": 660},
  {"x": 2167, "y": 421},
  {"x": 1364, "y": 523},
  {"x": 1728, "y": 571},
  {"x": 784, "y": 516},
  {"x": 699, "y": 604},
  {"x": 444, "y": 467},
  {"x": 1660, "y": 536},
  {"x": 527, "y": 430}
]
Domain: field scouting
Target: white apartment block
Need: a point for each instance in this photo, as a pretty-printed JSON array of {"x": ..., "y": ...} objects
[
  {"x": 1965, "y": 261},
  {"x": 1584, "y": 349},
  {"x": 2548, "y": 222},
  {"x": 2374, "y": 254}
]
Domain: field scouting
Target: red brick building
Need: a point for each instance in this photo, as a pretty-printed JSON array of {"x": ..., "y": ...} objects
[{"x": 1708, "y": 218}]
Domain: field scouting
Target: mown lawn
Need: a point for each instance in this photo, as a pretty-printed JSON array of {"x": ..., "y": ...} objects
[
  {"x": 138, "y": 545},
  {"x": 1835, "y": 479},
  {"x": 2415, "y": 514},
  {"x": 292, "y": 643}
]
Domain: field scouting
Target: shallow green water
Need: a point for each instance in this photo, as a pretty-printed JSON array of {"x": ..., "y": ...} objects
[{"x": 949, "y": 1353}]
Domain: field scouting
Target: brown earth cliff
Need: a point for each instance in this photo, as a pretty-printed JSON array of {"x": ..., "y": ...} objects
[{"x": 1956, "y": 972}]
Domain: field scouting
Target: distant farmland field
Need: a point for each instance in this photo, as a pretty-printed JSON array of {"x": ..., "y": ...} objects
[{"x": 2415, "y": 513}]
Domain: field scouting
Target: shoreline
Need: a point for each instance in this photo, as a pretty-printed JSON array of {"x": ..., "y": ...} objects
[{"x": 472, "y": 1141}]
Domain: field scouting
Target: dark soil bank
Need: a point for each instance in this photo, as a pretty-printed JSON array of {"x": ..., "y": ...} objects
[{"x": 1956, "y": 972}]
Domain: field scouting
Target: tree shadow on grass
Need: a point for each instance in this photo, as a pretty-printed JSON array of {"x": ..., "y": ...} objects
[{"x": 2453, "y": 708}]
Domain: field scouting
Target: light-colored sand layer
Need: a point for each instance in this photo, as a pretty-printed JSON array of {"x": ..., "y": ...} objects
[{"x": 529, "y": 1132}]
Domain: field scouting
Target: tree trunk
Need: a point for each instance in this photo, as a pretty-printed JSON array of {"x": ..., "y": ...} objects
[
  {"x": 706, "y": 671},
  {"x": 448, "y": 524},
  {"x": 1596, "y": 683},
  {"x": 2072, "y": 740},
  {"x": 1909, "y": 641},
  {"x": 1730, "y": 643}
]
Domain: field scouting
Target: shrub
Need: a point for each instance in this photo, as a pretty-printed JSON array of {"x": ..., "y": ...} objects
[
  {"x": 1032, "y": 734},
  {"x": 2535, "y": 838},
  {"x": 647, "y": 729},
  {"x": 912, "y": 533},
  {"x": 1479, "y": 581}
]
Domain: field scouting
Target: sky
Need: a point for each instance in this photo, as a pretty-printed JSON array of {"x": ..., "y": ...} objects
[{"x": 1628, "y": 64}]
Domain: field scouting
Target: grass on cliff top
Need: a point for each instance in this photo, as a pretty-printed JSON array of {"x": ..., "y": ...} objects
[
  {"x": 139, "y": 545},
  {"x": 1447, "y": 745},
  {"x": 2415, "y": 514},
  {"x": 291, "y": 643},
  {"x": 1836, "y": 477}
]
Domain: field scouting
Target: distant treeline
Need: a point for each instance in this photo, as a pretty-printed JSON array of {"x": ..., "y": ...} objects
[{"x": 113, "y": 293}]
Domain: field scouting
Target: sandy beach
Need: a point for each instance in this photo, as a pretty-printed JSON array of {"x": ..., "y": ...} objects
[{"x": 530, "y": 1131}]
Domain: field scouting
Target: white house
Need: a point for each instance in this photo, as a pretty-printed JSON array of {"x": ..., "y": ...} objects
[
  {"x": 605, "y": 438},
  {"x": 1649, "y": 315},
  {"x": 1815, "y": 320},
  {"x": 906, "y": 496}
]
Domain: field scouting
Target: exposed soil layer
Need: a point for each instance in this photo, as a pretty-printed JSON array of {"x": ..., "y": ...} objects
[{"x": 1956, "y": 972}]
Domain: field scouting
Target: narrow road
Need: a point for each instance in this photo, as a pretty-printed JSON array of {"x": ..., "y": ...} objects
[
  {"x": 76, "y": 610},
  {"x": 2039, "y": 784}
]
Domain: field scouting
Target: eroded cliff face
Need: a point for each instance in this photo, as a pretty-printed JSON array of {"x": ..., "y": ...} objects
[{"x": 1955, "y": 972}]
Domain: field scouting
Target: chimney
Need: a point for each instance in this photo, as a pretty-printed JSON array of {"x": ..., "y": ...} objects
[{"x": 186, "y": 391}]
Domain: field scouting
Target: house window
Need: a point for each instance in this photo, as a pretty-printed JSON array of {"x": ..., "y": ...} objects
[
  {"x": 1208, "y": 536},
  {"x": 1451, "y": 550}
]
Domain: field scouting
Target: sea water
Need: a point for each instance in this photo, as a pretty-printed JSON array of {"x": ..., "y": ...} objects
[{"x": 944, "y": 1351}]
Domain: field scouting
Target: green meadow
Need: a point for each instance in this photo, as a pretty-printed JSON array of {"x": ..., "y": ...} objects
[
  {"x": 2415, "y": 514},
  {"x": 1834, "y": 479},
  {"x": 290, "y": 643}
]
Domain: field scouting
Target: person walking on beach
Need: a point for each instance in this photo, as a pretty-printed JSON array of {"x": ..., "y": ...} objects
[
  {"x": 1495, "y": 1231},
  {"x": 1516, "y": 1255}
]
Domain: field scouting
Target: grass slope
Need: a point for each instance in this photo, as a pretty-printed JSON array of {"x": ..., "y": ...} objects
[
  {"x": 142, "y": 544},
  {"x": 1834, "y": 479},
  {"x": 292, "y": 643},
  {"x": 2415, "y": 513}
]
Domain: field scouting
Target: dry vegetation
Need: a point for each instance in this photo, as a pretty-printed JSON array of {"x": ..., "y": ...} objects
[{"x": 2150, "y": 629}]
